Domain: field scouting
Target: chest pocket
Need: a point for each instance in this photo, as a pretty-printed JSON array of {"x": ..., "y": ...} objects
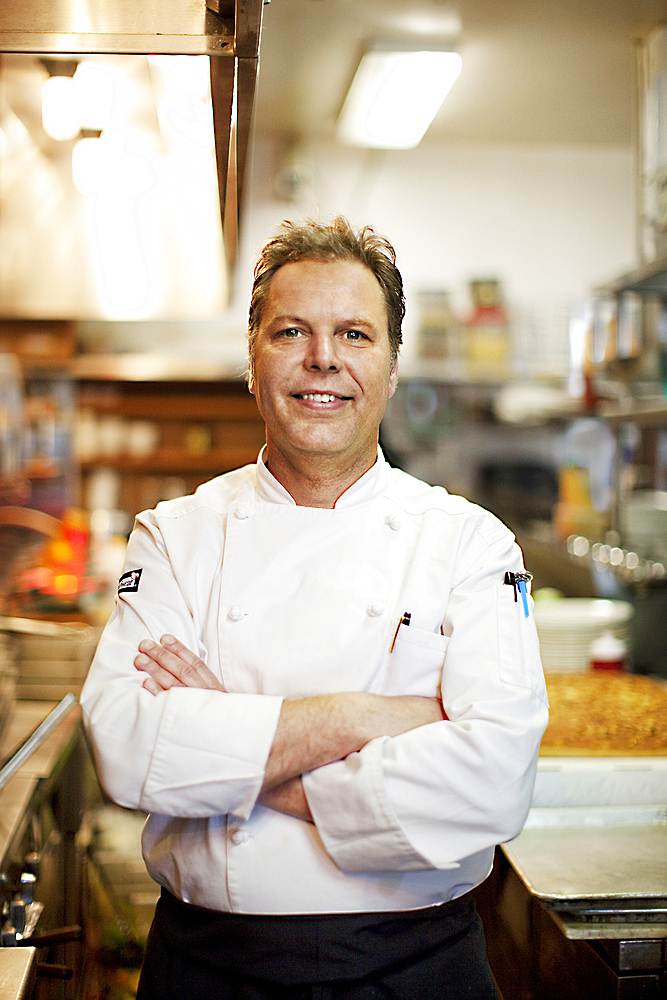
[{"x": 416, "y": 663}]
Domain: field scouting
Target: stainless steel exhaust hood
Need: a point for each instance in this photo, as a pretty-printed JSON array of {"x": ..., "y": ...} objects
[{"x": 55, "y": 36}]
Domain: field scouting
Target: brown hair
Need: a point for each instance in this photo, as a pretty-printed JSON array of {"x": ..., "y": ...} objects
[{"x": 338, "y": 241}]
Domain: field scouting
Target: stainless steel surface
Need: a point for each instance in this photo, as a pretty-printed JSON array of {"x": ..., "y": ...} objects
[
  {"x": 40, "y": 812},
  {"x": 579, "y": 866},
  {"x": 28, "y": 715},
  {"x": 35, "y": 287},
  {"x": 16, "y": 794},
  {"x": 35, "y": 740},
  {"x": 17, "y": 973},
  {"x": 14, "y": 801},
  {"x": 168, "y": 26},
  {"x": 582, "y": 930}
]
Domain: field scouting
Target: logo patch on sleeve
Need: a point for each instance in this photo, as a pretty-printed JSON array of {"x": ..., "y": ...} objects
[{"x": 129, "y": 582}]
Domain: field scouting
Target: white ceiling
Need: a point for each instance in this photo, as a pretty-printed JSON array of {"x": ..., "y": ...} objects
[{"x": 538, "y": 71}]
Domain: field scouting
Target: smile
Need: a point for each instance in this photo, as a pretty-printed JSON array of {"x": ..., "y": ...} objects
[{"x": 319, "y": 397}]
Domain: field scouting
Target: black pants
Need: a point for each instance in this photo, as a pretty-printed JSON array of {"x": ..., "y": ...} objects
[{"x": 433, "y": 954}]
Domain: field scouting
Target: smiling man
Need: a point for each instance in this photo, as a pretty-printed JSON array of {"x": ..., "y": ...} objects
[
  {"x": 322, "y": 371},
  {"x": 316, "y": 680}
]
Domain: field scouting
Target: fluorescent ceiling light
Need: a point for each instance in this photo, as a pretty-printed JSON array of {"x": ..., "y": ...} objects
[{"x": 395, "y": 96}]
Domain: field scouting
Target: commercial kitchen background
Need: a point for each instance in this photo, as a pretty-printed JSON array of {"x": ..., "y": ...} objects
[{"x": 529, "y": 176}]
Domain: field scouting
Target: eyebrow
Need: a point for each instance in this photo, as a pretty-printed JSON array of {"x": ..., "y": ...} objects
[{"x": 347, "y": 323}]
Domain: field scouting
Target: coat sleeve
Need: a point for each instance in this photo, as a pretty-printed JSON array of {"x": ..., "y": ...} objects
[
  {"x": 186, "y": 752},
  {"x": 445, "y": 791}
]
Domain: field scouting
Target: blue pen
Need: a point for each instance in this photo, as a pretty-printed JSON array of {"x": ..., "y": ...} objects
[{"x": 519, "y": 581}]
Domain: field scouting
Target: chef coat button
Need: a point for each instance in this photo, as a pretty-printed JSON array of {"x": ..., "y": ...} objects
[
  {"x": 240, "y": 836},
  {"x": 393, "y": 522},
  {"x": 374, "y": 609},
  {"x": 242, "y": 513},
  {"x": 235, "y": 613}
]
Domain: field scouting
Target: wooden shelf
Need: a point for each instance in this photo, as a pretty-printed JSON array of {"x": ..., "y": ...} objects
[
  {"x": 154, "y": 368},
  {"x": 177, "y": 461},
  {"x": 173, "y": 406},
  {"x": 201, "y": 428}
]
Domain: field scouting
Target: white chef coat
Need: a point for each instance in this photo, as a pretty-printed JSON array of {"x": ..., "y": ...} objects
[{"x": 287, "y": 601}]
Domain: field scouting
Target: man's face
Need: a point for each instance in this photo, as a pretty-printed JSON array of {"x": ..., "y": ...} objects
[{"x": 322, "y": 367}]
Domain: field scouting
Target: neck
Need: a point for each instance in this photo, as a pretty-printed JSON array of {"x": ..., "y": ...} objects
[{"x": 316, "y": 481}]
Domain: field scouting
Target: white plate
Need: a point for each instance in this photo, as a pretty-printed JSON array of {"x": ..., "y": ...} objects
[{"x": 581, "y": 612}]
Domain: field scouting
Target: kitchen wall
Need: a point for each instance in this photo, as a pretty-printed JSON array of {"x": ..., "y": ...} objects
[{"x": 549, "y": 221}]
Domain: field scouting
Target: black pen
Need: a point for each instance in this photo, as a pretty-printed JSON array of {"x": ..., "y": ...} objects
[{"x": 405, "y": 620}]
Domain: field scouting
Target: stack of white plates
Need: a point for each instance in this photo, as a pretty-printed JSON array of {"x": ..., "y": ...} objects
[{"x": 567, "y": 627}]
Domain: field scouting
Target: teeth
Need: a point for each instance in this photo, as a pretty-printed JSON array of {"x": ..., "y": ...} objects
[{"x": 319, "y": 397}]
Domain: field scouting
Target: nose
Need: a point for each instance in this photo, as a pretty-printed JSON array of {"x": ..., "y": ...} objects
[{"x": 322, "y": 353}]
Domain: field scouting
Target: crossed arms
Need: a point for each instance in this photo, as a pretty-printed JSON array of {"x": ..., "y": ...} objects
[{"x": 311, "y": 731}]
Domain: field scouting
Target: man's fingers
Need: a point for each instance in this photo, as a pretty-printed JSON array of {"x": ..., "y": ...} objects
[
  {"x": 176, "y": 659},
  {"x": 152, "y": 686},
  {"x": 171, "y": 663},
  {"x": 161, "y": 679}
]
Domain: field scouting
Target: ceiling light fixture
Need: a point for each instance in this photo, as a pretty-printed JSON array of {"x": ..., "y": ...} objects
[{"x": 396, "y": 93}]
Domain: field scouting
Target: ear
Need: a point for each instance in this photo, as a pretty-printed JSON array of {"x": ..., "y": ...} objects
[
  {"x": 393, "y": 379},
  {"x": 250, "y": 380}
]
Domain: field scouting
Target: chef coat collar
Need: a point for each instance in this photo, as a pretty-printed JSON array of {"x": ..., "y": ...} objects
[{"x": 367, "y": 487}]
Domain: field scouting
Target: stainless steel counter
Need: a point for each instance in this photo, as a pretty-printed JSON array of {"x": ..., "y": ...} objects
[
  {"x": 16, "y": 794},
  {"x": 596, "y": 867},
  {"x": 17, "y": 965},
  {"x": 17, "y": 973}
]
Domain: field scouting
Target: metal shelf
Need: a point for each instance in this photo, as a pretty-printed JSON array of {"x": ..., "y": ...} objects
[
  {"x": 649, "y": 412},
  {"x": 650, "y": 277}
]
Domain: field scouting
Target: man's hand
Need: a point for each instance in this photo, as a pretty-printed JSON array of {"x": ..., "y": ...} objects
[
  {"x": 323, "y": 728},
  {"x": 311, "y": 731},
  {"x": 169, "y": 663}
]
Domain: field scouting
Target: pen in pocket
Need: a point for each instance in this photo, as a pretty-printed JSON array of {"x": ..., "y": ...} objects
[
  {"x": 405, "y": 620},
  {"x": 519, "y": 582}
]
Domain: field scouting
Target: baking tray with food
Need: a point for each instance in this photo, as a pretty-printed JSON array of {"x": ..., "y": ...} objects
[{"x": 606, "y": 743}]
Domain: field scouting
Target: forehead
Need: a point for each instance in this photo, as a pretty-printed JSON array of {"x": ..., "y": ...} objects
[{"x": 345, "y": 288}]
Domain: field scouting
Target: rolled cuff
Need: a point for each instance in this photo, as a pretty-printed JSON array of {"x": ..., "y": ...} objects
[{"x": 354, "y": 817}]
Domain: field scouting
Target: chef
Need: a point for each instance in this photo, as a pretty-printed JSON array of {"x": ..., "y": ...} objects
[{"x": 321, "y": 679}]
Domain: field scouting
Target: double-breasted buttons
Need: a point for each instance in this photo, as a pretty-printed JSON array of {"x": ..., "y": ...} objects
[
  {"x": 393, "y": 522},
  {"x": 239, "y": 836},
  {"x": 375, "y": 609},
  {"x": 236, "y": 613},
  {"x": 242, "y": 512}
]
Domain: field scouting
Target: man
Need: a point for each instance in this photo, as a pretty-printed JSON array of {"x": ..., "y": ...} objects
[{"x": 316, "y": 680}]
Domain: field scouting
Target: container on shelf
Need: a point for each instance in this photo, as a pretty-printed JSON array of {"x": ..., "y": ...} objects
[
  {"x": 438, "y": 335},
  {"x": 487, "y": 332}
]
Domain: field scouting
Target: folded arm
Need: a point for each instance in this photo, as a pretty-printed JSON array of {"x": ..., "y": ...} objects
[
  {"x": 441, "y": 793},
  {"x": 311, "y": 731}
]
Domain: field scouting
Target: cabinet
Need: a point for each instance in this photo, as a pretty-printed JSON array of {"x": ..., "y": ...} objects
[{"x": 533, "y": 958}]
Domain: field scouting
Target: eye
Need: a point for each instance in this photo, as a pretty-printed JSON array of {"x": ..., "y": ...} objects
[
  {"x": 354, "y": 335},
  {"x": 290, "y": 333}
]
